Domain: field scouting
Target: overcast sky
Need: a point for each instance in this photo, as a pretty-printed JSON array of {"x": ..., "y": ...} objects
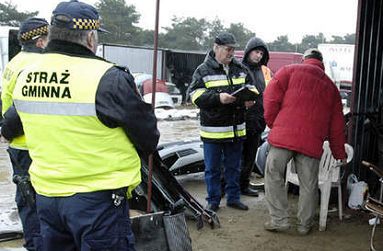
[{"x": 267, "y": 18}]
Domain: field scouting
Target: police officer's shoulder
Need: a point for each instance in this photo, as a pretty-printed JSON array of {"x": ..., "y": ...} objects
[
  {"x": 119, "y": 71},
  {"x": 116, "y": 78},
  {"x": 202, "y": 69},
  {"x": 123, "y": 68}
]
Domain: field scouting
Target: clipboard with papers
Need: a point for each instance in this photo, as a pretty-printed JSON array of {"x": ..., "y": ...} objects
[{"x": 246, "y": 93}]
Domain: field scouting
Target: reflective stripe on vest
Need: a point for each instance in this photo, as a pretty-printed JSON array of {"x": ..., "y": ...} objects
[
  {"x": 56, "y": 108},
  {"x": 222, "y": 132},
  {"x": 72, "y": 150},
  {"x": 196, "y": 94},
  {"x": 212, "y": 81}
]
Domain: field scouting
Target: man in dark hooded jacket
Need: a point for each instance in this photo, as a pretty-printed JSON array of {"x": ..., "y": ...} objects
[{"x": 255, "y": 60}]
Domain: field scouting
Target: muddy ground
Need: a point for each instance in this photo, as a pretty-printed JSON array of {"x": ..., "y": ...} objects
[{"x": 243, "y": 231}]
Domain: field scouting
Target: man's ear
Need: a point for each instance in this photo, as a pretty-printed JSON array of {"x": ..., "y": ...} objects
[
  {"x": 89, "y": 39},
  {"x": 215, "y": 47},
  {"x": 92, "y": 41}
]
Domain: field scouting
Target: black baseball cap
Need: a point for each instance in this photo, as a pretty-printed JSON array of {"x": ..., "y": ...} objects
[
  {"x": 75, "y": 15},
  {"x": 226, "y": 38}
]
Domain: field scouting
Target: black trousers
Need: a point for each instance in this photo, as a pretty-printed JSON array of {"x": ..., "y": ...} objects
[
  {"x": 250, "y": 146},
  {"x": 85, "y": 221},
  {"x": 28, "y": 215}
]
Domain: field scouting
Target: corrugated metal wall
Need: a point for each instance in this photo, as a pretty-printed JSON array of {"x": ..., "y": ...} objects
[
  {"x": 368, "y": 83},
  {"x": 137, "y": 59}
]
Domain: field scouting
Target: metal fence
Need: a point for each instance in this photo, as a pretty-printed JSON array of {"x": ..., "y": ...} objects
[{"x": 368, "y": 84}]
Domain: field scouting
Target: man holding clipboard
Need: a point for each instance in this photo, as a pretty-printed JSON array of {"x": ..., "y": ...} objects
[
  {"x": 222, "y": 114},
  {"x": 246, "y": 93}
]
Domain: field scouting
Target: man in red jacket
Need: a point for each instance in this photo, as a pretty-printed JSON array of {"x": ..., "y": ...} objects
[{"x": 303, "y": 108}]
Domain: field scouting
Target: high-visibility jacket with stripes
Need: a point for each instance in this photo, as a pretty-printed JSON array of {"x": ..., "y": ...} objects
[
  {"x": 71, "y": 149},
  {"x": 219, "y": 122},
  {"x": 8, "y": 82}
]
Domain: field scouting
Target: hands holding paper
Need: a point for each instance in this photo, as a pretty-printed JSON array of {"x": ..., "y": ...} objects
[{"x": 226, "y": 98}]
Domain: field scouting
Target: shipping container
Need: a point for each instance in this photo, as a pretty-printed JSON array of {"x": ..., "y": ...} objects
[
  {"x": 137, "y": 59},
  {"x": 175, "y": 66}
]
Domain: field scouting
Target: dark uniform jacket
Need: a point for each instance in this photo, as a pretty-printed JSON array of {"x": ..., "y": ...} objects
[{"x": 213, "y": 112}]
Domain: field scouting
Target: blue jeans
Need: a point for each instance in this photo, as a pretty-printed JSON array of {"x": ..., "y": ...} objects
[
  {"x": 85, "y": 221},
  {"x": 21, "y": 161},
  {"x": 229, "y": 154}
]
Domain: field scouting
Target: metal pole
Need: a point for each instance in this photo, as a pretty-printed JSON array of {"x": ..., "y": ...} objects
[{"x": 154, "y": 80}]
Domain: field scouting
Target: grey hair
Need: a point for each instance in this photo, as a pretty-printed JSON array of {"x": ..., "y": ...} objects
[
  {"x": 30, "y": 42},
  {"x": 215, "y": 47},
  {"x": 63, "y": 34}
]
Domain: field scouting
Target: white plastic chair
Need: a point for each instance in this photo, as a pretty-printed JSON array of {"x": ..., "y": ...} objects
[{"x": 329, "y": 176}]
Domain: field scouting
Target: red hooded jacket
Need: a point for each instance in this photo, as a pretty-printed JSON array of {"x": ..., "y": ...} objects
[{"x": 303, "y": 108}]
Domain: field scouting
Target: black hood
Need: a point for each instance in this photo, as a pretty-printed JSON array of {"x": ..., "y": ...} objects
[{"x": 253, "y": 43}]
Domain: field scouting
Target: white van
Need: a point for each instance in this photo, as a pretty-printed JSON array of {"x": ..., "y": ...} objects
[{"x": 9, "y": 46}]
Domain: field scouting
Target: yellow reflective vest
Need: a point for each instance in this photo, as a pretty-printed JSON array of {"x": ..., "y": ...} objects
[
  {"x": 267, "y": 74},
  {"x": 11, "y": 71},
  {"x": 71, "y": 149}
]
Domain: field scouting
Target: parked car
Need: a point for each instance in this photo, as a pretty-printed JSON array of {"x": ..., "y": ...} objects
[
  {"x": 145, "y": 86},
  {"x": 175, "y": 93}
]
